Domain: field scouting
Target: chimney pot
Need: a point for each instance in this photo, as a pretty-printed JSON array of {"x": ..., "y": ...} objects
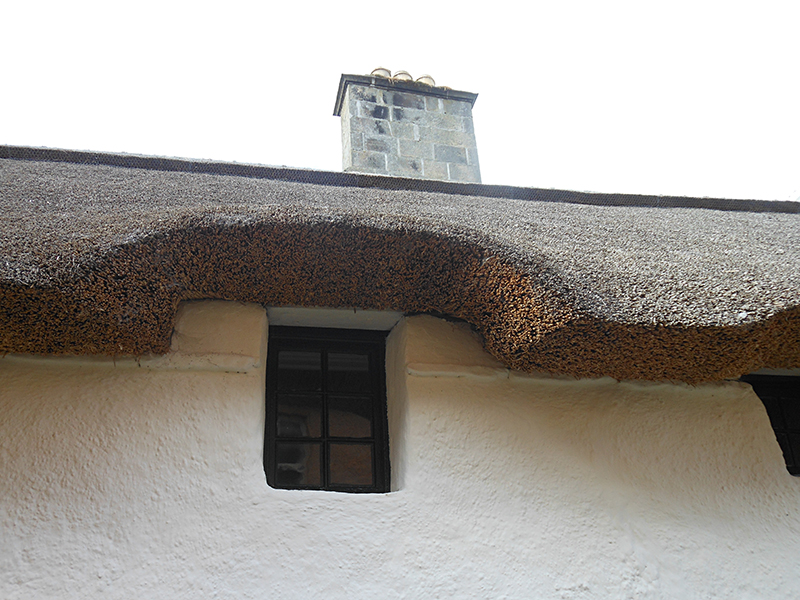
[
  {"x": 403, "y": 76},
  {"x": 381, "y": 72},
  {"x": 426, "y": 79}
]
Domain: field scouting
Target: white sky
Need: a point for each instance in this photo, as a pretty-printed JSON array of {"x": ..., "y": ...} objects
[{"x": 687, "y": 98}]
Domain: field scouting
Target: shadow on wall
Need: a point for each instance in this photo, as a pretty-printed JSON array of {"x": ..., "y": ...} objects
[{"x": 707, "y": 450}]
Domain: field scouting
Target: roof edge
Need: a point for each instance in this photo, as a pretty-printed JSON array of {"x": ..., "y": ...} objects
[{"x": 359, "y": 180}]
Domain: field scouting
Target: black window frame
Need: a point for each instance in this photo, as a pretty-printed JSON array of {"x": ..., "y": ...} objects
[
  {"x": 373, "y": 343},
  {"x": 777, "y": 392}
]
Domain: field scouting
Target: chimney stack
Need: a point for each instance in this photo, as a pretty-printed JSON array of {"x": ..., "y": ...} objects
[{"x": 406, "y": 128}]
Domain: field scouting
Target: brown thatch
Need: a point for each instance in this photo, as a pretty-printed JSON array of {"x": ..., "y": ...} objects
[{"x": 98, "y": 250}]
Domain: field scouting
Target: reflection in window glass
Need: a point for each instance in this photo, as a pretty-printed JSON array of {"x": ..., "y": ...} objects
[
  {"x": 299, "y": 370},
  {"x": 297, "y": 464},
  {"x": 349, "y": 416},
  {"x": 299, "y": 415},
  {"x": 351, "y": 464},
  {"x": 348, "y": 372}
]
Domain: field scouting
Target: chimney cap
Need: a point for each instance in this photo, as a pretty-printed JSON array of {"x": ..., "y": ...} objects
[{"x": 386, "y": 83}]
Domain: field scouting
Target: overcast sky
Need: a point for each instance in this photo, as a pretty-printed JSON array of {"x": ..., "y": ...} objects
[{"x": 688, "y": 98}]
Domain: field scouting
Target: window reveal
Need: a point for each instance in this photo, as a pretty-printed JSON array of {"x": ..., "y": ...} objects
[{"x": 326, "y": 410}]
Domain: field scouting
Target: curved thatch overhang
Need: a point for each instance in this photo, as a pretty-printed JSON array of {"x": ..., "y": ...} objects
[{"x": 100, "y": 255}]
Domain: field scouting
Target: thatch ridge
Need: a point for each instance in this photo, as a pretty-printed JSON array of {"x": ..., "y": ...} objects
[{"x": 327, "y": 178}]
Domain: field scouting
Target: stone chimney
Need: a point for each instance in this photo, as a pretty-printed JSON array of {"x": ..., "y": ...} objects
[{"x": 398, "y": 126}]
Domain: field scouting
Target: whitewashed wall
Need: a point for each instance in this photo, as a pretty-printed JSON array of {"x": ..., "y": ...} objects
[{"x": 126, "y": 479}]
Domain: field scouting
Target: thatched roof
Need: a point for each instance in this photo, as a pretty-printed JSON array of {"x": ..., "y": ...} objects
[{"x": 99, "y": 249}]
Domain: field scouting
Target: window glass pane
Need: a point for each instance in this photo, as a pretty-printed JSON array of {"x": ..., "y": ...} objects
[
  {"x": 774, "y": 411},
  {"x": 794, "y": 444},
  {"x": 349, "y": 416},
  {"x": 351, "y": 464},
  {"x": 791, "y": 410},
  {"x": 299, "y": 370},
  {"x": 297, "y": 464},
  {"x": 299, "y": 415},
  {"x": 348, "y": 372}
]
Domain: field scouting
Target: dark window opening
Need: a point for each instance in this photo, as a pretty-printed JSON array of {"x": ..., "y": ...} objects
[
  {"x": 326, "y": 426},
  {"x": 781, "y": 398}
]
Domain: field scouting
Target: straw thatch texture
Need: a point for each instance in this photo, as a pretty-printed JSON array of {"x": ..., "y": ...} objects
[{"x": 96, "y": 258}]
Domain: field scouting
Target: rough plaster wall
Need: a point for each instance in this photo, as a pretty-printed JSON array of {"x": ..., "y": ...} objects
[{"x": 124, "y": 481}]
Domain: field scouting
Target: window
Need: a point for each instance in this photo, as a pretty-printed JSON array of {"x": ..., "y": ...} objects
[
  {"x": 781, "y": 397},
  {"x": 326, "y": 425}
]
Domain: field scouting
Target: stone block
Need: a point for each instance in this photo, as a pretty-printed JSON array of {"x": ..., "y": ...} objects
[
  {"x": 367, "y": 162},
  {"x": 401, "y": 166},
  {"x": 348, "y": 104},
  {"x": 427, "y": 119},
  {"x": 449, "y": 137},
  {"x": 450, "y": 154},
  {"x": 466, "y": 125},
  {"x": 436, "y": 170},
  {"x": 458, "y": 108},
  {"x": 386, "y": 145},
  {"x": 403, "y": 100},
  {"x": 370, "y": 110},
  {"x": 404, "y": 131},
  {"x": 386, "y": 97},
  {"x": 366, "y": 94},
  {"x": 347, "y": 147},
  {"x": 370, "y": 127},
  {"x": 433, "y": 104},
  {"x": 408, "y": 115},
  {"x": 472, "y": 157},
  {"x": 466, "y": 173},
  {"x": 442, "y": 121},
  {"x": 354, "y": 141},
  {"x": 349, "y": 109},
  {"x": 416, "y": 149}
]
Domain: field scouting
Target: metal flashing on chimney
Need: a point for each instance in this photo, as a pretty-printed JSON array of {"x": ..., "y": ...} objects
[{"x": 401, "y": 127}]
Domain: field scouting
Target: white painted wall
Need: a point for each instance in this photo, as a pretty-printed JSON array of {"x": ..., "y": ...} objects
[{"x": 145, "y": 480}]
